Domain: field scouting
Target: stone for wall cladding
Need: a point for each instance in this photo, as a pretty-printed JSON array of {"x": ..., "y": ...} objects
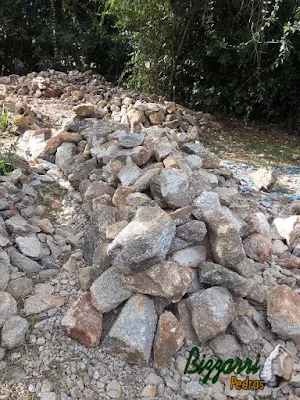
[
  {"x": 258, "y": 247},
  {"x": 108, "y": 291},
  {"x": 132, "y": 334},
  {"x": 212, "y": 311},
  {"x": 224, "y": 239},
  {"x": 83, "y": 322},
  {"x": 168, "y": 339},
  {"x": 283, "y": 306},
  {"x": 147, "y": 236},
  {"x": 165, "y": 279}
]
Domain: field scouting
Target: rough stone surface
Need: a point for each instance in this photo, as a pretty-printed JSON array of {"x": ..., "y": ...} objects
[
  {"x": 8, "y": 307},
  {"x": 212, "y": 311},
  {"x": 258, "y": 247},
  {"x": 131, "y": 336},
  {"x": 13, "y": 332},
  {"x": 83, "y": 322},
  {"x": 168, "y": 339}
]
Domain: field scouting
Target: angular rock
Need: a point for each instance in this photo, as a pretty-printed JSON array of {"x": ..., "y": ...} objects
[
  {"x": 129, "y": 140},
  {"x": 286, "y": 226},
  {"x": 193, "y": 231},
  {"x": 8, "y": 307},
  {"x": 24, "y": 263},
  {"x": 29, "y": 246},
  {"x": 226, "y": 195},
  {"x": 97, "y": 189},
  {"x": 289, "y": 261},
  {"x": 168, "y": 339},
  {"x": 108, "y": 291},
  {"x": 210, "y": 160},
  {"x": 84, "y": 110},
  {"x": 129, "y": 173},
  {"x": 207, "y": 201},
  {"x": 13, "y": 332},
  {"x": 224, "y": 239},
  {"x": 83, "y": 322},
  {"x": 225, "y": 346},
  {"x": 19, "y": 226},
  {"x": 189, "y": 257},
  {"x": 20, "y": 287},
  {"x": 212, "y": 311},
  {"x": 264, "y": 178},
  {"x": 164, "y": 279},
  {"x": 132, "y": 334},
  {"x": 140, "y": 155},
  {"x": 4, "y": 275},
  {"x": 147, "y": 236},
  {"x": 64, "y": 156},
  {"x": 244, "y": 329},
  {"x": 283, "y": 312},
  {"x": 42, "y": 302},
  {"x": 185, "y": 319},
  {"x": 216, "y": 275},
  {"x": 258, "y": 247},
  {"x": 175, "y": 188}
]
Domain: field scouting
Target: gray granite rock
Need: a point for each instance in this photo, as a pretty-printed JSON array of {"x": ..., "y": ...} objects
[
  {"x": 212, "y": 310},
  {"x": 193, "y": 231},
  {"x": 244, "y": 329},
  {"x": 4, "y": 275},
  {"x": 24, "y": 263},
  {"x": 13, "y": 332},
  {"x": 29, "y": 246},
  {"x": 132, "y": 334},
  {"x": 20, "y": 287},
  {"x": 108, "y": 291},
  {"x": 147, "y": 236},
  {"x": 8, "y": 307}
]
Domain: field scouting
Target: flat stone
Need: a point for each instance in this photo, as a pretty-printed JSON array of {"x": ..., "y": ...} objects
[
  {"x": 212, "y": 311},
  {"x": 83, "y": 322},
  {"x": 224, "y": 239},
  {"x": 129, "y": 140},
  {"x": 29, "y": 246},
  {"x": 164, "y": 279},
  {"x": 13, "y": 332},
  {"x": 84, "y": 110},
  {"x": 283, "y": 312},
  {"x": 20, "y": 287},
  {"x": 189, "y": 257},
  {"x": 24, "y": 263},
  {"x": 168, "y": 339},
  {"x": 147, "y": 236},
  {"x": 216, "y": 275},
  {"x": 41, "y": 302},
  {"x": 108, "y": 291},
  {"x": 132, "y": 334},
  {"x": 129, "y": 174},
  {"x": 8, "y": 307}
]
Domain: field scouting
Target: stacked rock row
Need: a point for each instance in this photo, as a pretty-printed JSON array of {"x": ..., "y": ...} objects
[{"x": 170, "y": 240}]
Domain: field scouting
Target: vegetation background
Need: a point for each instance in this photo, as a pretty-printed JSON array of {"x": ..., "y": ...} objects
[{"x": 237, "y": 56}]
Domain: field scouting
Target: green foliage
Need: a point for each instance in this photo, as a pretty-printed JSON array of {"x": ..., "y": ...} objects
[{"x": 4, "y": 120}]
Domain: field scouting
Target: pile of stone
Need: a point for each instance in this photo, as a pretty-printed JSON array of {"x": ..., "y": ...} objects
[{"x": 170, "y": 244}]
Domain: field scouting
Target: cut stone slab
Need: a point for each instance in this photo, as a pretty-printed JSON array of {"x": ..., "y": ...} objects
[
  {"x": 189, "y": 257},
  {"x": 29, "y": 246},
  {"x": 212, "y": 311},
  {"x": 13, "y": 332},
  {"x": 108, "y": 291},
  {"x": 8, "y": 307},
  {"x": 42, "y": 302},
  {"x": 147, "y": 236},
  {"x": 258, "y": 247},
  {"x": 216, "y": 275},
  {"x": 132, "y": 334},
  {"x": 168, "y": 339},
  {"x": 83, "y": 322},
  {"x": 165, "y": 279},
  {"x": 224, "y": 239},
  {"x": 283, "y": 306}
]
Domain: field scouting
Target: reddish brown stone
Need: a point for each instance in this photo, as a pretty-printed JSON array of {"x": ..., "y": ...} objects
[
  {"x": 289, "y": 262},
  {"x": 283, "y": 312},
  {"x": 83, "y": 322},
  {"x": 258, "y": 247},
  {"x": 51, "y": 92},
  {"x": 53, "y": 143},
  {"x": 168, "y": 339}
]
